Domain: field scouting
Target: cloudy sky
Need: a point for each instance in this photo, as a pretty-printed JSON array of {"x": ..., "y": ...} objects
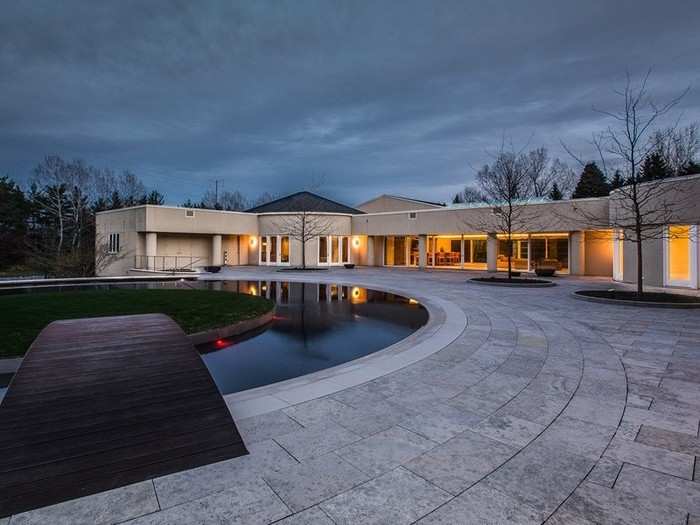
[{"x": 400, "y": 97}]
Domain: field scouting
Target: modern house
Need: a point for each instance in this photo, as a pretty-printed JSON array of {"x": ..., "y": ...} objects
[{"x": 392, "y": 231}]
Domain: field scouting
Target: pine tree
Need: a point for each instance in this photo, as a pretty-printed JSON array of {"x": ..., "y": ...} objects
[
  {"x": 555, "y": 193},
  {"x": 592, "y": 183},
  {"x": 457, "y": 199},
  {"x": 617, "y": 181},
  {"x": 655, "y": 167}
]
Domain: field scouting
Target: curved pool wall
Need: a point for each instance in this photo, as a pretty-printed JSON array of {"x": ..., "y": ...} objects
[{"x": 316, "y": 326}]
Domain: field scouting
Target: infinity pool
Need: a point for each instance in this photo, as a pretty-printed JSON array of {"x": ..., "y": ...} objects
[{"x": 316, "y": 326}]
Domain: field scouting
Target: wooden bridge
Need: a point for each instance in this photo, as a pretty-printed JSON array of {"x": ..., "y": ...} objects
[{"x": 105, "y": 402}]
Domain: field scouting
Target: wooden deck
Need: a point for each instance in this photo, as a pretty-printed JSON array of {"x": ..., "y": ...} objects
[{"x": 101, "y": 403}]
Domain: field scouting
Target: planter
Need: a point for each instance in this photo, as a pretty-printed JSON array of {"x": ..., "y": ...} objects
[
  {"x": 629, "y": 298},
  {"x": 349, "y": 266},
  {"x": 299, "y": 269},
  {"x": 212, "y": 269},
  {"x": 231, "y": 330},
  {"x": 544, "y": 272},
  {"x": 515, "y": 283}
]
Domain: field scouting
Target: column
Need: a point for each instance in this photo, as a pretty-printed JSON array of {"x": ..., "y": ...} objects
[
  {"x": 151, "y": 250},
  {"x": 577, "y": 253},
  {"x": 370, "y": 250},
  {"x": 491, "y": 252},
  {"x": 422, "y": 251},
  {"x": 461, "y": 252},
  {"x": 216, "y": 258}
]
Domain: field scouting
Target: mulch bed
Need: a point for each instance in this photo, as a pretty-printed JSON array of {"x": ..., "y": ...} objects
[
  {"x": 669, "y": 300},
  {"x": 515, "y": 281}
]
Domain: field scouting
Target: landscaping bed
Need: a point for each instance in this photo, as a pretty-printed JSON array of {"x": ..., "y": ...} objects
[
  {"x": 657, "y": 299},
  {"x": 515, "y": 282},
  {"x": 23, "y": 316}
]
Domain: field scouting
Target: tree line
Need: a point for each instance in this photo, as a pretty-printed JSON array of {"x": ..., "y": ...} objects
[
  {"x": 672, "y": 152},
  {"x": 48, "y": 228}
]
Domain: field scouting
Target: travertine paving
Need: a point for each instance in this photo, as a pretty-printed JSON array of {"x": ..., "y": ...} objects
[{"x": 544, "y": 409}]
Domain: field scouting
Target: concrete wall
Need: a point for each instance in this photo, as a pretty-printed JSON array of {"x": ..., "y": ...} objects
[
  {"x": 175, "y": 220},
  {"x": 127, "y": 223},
  {"x": 558, "y": 216}
]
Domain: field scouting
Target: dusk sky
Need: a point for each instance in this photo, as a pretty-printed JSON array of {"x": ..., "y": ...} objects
[{"x": 374, "y": 97}]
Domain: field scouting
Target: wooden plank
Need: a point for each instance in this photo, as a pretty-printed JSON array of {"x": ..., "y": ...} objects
[{"x": 105, "y": 402}]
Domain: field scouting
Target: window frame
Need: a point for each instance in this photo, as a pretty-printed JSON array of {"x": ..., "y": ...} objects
[
  {"x": 692, "y": 281},
  {"x": 266, "y": 241},
  {"x": 329, "y": 250},
  {"x": 113, "y": 243}
]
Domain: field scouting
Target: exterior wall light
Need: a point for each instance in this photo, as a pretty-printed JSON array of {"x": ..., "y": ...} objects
[
  {"x": 253, "y": 241},
  {"x": 356, "y": 242}
]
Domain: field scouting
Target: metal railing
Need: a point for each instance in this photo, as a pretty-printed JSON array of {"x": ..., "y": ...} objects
[{"x": 169, "y": 263}]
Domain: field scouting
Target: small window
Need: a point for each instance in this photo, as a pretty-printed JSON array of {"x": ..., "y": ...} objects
[
  {"x": 113, "y": 243},
  {"x": 189, "y": 213},
  {"x": 412, "y": 215}
]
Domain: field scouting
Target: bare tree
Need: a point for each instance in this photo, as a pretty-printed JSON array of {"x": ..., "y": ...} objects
[
  {"x": 303, "y": 226},
  {"x": 678, "y": 147},
  {"x": 227, "y": 200},
  {"x": 640, "y": 210},
  {"x": 505, "y": 186},
  {"x": 544, "y": 172},
  {"x": 468, "y": 195}
]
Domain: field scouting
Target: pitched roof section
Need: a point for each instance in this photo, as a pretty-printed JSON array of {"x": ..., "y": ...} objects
[
  {"x": 386, "y": 202},
  {"x": 303, "y": 201}
]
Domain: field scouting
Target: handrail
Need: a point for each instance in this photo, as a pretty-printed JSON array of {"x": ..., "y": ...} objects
[{"x": 168, "y": 263}]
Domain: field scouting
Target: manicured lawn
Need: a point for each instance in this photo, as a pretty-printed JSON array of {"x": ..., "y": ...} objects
[{"x": 23, "y": 316}]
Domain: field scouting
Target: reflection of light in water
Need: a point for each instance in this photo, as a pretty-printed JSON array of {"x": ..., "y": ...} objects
[
  {"x": 252, "y": 290},
  {"x": 413, "y": 301},
  {"x": 221, "y": 343}
]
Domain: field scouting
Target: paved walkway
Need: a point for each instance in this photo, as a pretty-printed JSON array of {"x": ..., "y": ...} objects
[{"x": 544, "y": 409}]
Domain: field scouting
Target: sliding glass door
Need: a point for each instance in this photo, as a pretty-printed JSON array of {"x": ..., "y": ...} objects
[
  {"x": 333, "y": 250},
  {"x": 274, "y": 250}
]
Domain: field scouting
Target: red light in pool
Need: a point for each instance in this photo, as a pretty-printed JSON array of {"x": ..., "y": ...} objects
[
  {"x": 220, "y": 343},
  {"x": 278, "y": 318}
]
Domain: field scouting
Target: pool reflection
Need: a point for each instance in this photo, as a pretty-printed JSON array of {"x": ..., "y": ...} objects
[{"x": 316, "y": 326}]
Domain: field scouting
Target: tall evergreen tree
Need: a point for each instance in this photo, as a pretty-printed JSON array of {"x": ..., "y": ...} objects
[
  {"x": 14, "y": 214},
  {"x": 592, "y": 183},
  {"x": 654, "y": 167},
  {"x": 617, "y": 181},
  {"x": 555, "y": 193}
]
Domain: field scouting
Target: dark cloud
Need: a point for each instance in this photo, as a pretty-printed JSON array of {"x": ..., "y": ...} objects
[{"x": 377, "y": 97}]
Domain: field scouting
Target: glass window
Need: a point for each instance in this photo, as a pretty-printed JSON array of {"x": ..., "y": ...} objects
[
  {"x": 113, "y": 243},
  {"x": 679, "y": 253},
  {"x": 447, "y": 251},
  {"x": 550, "y": 252},
  {"x": 335, "y": 254},
  {"x": 479, "y": 251},
  {"x": 273, "y": 249},
  {"x": 323, "y": 250},
  {"x": 284, "y": 249},
  {"x": 400, "y": 251},
  {"x": 414, "y": 252},
  {"x": 263, "y": 249},
  {"x": 346, "y": 249}
]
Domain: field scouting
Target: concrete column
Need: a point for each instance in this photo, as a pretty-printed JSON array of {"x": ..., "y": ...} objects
[
  {"x": 216, "y": 254},
  {"x": 151, "y": 250},
  {"x": 491, "y": 252},
  {"x": 370, "y": 250},
  {"x": 422, "y": 251},
  {"x": 577, "y": 253}
]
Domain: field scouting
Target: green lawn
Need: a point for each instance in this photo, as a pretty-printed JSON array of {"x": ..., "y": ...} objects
[{"x": 23, "y": 316}]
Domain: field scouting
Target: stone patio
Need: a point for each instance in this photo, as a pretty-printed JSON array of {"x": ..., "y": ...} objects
[{"x": 540, "y": 408}]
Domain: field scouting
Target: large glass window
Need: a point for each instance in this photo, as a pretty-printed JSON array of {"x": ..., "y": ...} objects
[
  {"x": 395, "y": 251},
  {"x": 681, "y": 256},
  {"x": 446, "y": 251},
  {"x": 333, "y": 249},
  {"x": 284, "y": 249},
  {"x": 274, "y": 249},
  {"x": 550, "y": 252},
  {"x": 323, "y": 250},
  {"x": 263, "y": 249},
  {"x": 414, "y": 251},
  {"x": 478, "y": 251},
  {"x": 519, "y": 250}
]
